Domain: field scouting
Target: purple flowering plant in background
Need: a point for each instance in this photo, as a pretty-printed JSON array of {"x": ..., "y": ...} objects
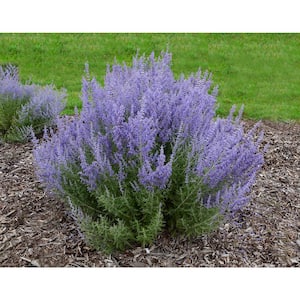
[
  {"x": 147, "y": 153},
  {"x": 26, "y": 107}
]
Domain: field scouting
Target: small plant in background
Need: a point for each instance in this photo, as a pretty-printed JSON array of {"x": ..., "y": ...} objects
[
  {"x": 147, "y": 153},
  {"x": 26, "y": 108}
]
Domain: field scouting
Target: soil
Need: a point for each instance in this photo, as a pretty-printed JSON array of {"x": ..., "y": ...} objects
[{"x": 38, "y": 231}]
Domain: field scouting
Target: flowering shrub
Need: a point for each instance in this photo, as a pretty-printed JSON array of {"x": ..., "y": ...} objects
[
  {"x": 147, "y": 153},
  {"x": 24, "y": 108}
]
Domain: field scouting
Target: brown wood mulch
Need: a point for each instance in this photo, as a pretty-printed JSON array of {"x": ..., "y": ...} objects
[{"x": 36, "y": 230}]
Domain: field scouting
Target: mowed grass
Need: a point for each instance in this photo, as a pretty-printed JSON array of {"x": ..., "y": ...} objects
[{"x": 261, "y": 71}]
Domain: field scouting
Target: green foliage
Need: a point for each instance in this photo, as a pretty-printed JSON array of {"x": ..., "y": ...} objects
[
  {"x": 9, "y": 115},
  {"x": 105, "y": 236},
  {"x": 78, "y": 192},
  {"x": 189, "y": 217},
  {"x": 183, "y": 213},
  {"x": 9, "y": 111},
  {"x": 113, "y": 220},
  {"x": 18, "y": 134}
]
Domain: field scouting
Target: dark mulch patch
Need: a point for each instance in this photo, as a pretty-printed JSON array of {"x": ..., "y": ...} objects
[{"x": 36, "y": 230}]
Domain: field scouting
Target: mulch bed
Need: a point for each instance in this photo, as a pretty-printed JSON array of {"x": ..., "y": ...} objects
[{"x": 36, "y": 230}]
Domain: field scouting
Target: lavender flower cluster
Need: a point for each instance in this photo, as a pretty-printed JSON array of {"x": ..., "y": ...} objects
[
  {"x": 10, "y": 85},
  {"x": 26, "y": 107},
  {"x": 145, "y": 130}
]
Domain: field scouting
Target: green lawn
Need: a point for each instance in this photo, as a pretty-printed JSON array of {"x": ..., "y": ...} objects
[{"x": 261, "y": 71}]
